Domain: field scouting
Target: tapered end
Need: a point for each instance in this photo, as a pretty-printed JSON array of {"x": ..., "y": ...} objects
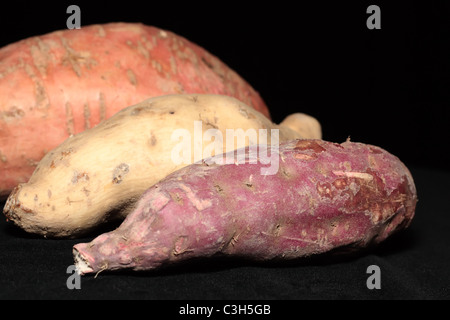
[
  {"x": 307, "y": 126},
  {"x": 81, "y": 262}
]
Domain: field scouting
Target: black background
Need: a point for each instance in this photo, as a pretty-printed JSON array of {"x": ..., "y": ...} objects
[{"x": 385, "y": 87}]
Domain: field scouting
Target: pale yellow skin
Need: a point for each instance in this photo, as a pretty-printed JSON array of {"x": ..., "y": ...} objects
[{"x": 97, "y": 175}]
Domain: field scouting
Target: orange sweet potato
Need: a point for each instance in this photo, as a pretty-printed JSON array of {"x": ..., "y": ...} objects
[{"x": 59, "y": 84}]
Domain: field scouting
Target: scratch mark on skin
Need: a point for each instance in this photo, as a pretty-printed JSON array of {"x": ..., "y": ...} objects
[
  {"x": 321, "y": 241},
  {"x": 12, "y": 114},
  {"x": 87, "y": 116},
  {"x": 77, "y": 59},
  {"x": 173, "y": 65},
  {"x": 159, "y": 202},
  {"x": 102, "y": 107},
  {"x": 11, "y": 69},
  {"x": 359, "y": 175},
  {"x": 132, "y": 77},
  {"x": 69, "y": 119},
  {"x": 143, "y": 50},
  {"x": 69, "y": 202},
  {"x": 235, "y": 239},
  {"x": 181, "y": 246},
  {"x": 39, "y": 61},
  {"x": 198, "y": 203},
  {"x": 42, "y": 101}
]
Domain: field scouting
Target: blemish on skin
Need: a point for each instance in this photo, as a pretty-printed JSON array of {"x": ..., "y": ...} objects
[
  {"x": 209, "y": 124},
  {"x": 246, "y": 114},
  {"x": 120, "y": 172},
  {"x": 136, "y": 111},
  {"x": 285, "y": 173},
  {"x": 340, "y": 183},
  {"x": 32, "y": 162},
  {"x": 3, "y": 158},
  {"x": 306, "y": 157},
  {"x": 303, "y": 145},
  {"x": 79, "y": 176},
  {"x": 204, "y": 163},
  {"x": 375, "y": 150},
  {"x": 207, "y": 63},
  {"x": 159, "y": 201},
  {"x": 249, "y": 185},
  {"x": 87, "y": 116},
  {"x": 324, "y": 190},
  {"x": 132, "y": 77},
  {"x": 347, "y": 165},
  {"x": 13, "y": 113},
  {"x": 49, "y": 193},
  {"x": 147, "y": 108},
  {"x": 173, "y": 65},
  {"x": 69, "y": 119},
  {"x": 102, "y": 106},
  {"x": 66, "y": 153},
  {"x": 163, "y": 34},
  {"x": 101, "y": 31},
  {"x": 153, "y": 140},
  {"x": 176, "y": 197},
  {"x": 86, "y": 191},
  {"x": 234, "y": 239},
  {"x": 219, "y": 189},
  {"x": 181, "y": 246},
  {"x": 277, "y": 230}
]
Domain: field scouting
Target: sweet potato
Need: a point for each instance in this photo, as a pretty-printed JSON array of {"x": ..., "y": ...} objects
[
  {"x": 325, "y": 196},
  {"x": 59, "y": 84},
  {"x": 98, "y": 174}
]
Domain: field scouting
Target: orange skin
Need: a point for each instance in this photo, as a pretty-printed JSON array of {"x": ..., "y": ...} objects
[{"x": 59, "y": 84}]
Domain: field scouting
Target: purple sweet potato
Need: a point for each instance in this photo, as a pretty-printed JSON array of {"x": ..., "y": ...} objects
[{"x": 324, "y": 196}]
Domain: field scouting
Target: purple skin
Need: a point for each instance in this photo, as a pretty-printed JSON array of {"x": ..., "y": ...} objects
[{"x": 324, "y": 196}]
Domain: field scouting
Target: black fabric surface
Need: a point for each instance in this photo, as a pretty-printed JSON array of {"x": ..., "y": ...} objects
[{"x": 414, "y": 264}]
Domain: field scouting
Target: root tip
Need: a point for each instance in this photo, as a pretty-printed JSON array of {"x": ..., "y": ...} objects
[{"x": 81, "y": 263}]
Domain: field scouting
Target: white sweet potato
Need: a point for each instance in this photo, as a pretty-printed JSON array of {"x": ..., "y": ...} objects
[
  {"x": 325, "y": 196},
  {"x": 59, "y": 84},
  {"x": 98, "y": 174}
]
